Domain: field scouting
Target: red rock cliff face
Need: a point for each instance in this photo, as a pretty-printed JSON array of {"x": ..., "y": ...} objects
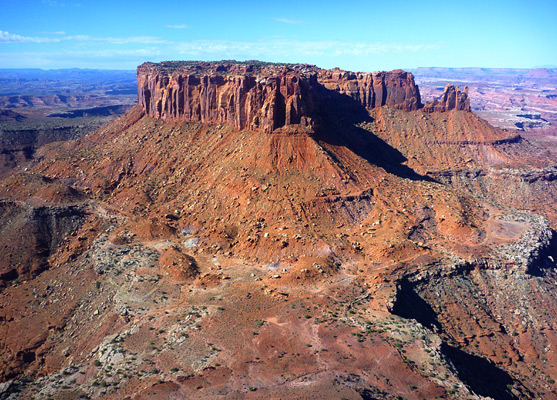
[
  {"x": 250, "y": 98},
  {"x": 265, "y": 96},
  {"x": 395, "y": 88},
  {"x": 451, "y": 99}
]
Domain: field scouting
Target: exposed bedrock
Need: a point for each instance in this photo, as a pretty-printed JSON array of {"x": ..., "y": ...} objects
[
  {"x": 493, "y": 313},
  {"x": 451, "y": 99},
  {"x": 264, "y": 96},
  {"x": 519, "y": 187},
  {"x": 31, "y": 234},
  {"x": 227, "y": 93},
  {"x": 372, "y": 90}
]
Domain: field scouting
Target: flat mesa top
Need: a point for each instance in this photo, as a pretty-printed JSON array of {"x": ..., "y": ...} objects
[
  {"x": 253, "y": 68},
  {"x": 226, "y": 67}
]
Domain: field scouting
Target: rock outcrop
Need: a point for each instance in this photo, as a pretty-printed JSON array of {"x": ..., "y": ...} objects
[
  {"x": 451, "y": 99},
  {"x": 251, "y": 97},
  {"x": 395, "y": 88},
  {"x": 261, "y": 96},
  {"x": 39, "y": 230}
]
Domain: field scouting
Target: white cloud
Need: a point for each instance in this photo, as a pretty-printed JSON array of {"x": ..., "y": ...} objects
[
  {"x": 114, "y": 53},
  {"x": 123, "y": 52},
  {"x": 117, "y": 40},
  {"x": 177, "y": 26},
  {"x": 7, "y": 37},
  {"x": 287, "y": 20},
  {"x": 281, "y": 48},
  {"x": 112, "y": 59},
  {"x": 274, "y": 47}
]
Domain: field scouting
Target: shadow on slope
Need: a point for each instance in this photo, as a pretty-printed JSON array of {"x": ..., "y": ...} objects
[
  {"x": 103, "y": 111},
  {"x": 481, "y": 375},
  {"x": 339, "y": 116},
  {"x": 410, "y": 305},
  {"x": 31, "y": 235},
  {"x": 545, "y": 259}
]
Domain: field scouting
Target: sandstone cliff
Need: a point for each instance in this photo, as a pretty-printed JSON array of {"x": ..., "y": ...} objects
[
  {"x": 251, "y": 97},
  {"x": 451, "y": 99},
  {"x": 395, "y": 88},
  {"x": 262, "y": 96}
]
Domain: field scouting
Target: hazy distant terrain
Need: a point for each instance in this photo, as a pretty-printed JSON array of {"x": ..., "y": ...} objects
[
  {"x": 42, "y": 106},
  {"x": 38, "y": 92},
  {"x": 524, "y": 99},
  {"x": 38, "y": 82}
]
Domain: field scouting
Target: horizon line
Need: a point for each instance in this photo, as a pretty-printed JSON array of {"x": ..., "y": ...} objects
[{"x": 548, "y": 67}]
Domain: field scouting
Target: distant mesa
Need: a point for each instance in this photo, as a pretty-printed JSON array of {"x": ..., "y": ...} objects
[
  {"x": 42, "y": 101},
  {"x": 11, "y": 116},
  {"x": 103, "y": 111},
  {"x": 267, "y": 96}
]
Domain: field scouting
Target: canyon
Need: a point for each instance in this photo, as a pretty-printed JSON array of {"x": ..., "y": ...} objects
[
  {"x": 39, "y": 107},
  {"x": 257, "y": 230}
]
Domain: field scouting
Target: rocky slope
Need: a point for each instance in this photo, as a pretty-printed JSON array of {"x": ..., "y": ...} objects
[
  {"x": 11, "y": 116},
  {"x": 469, "y": 154},
  {"x": 323, "y": 257}
]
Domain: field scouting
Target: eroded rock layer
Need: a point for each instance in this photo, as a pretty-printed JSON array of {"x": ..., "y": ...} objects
[
  {"x": 372, "y": 90},
  {"x": 263, "y": 96},
  {"x": 451, "y": 99},
  {"x": 226, "y": 93}
]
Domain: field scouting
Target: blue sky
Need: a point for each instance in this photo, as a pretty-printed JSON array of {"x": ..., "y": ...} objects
[{"x": 363, "y": 36}]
